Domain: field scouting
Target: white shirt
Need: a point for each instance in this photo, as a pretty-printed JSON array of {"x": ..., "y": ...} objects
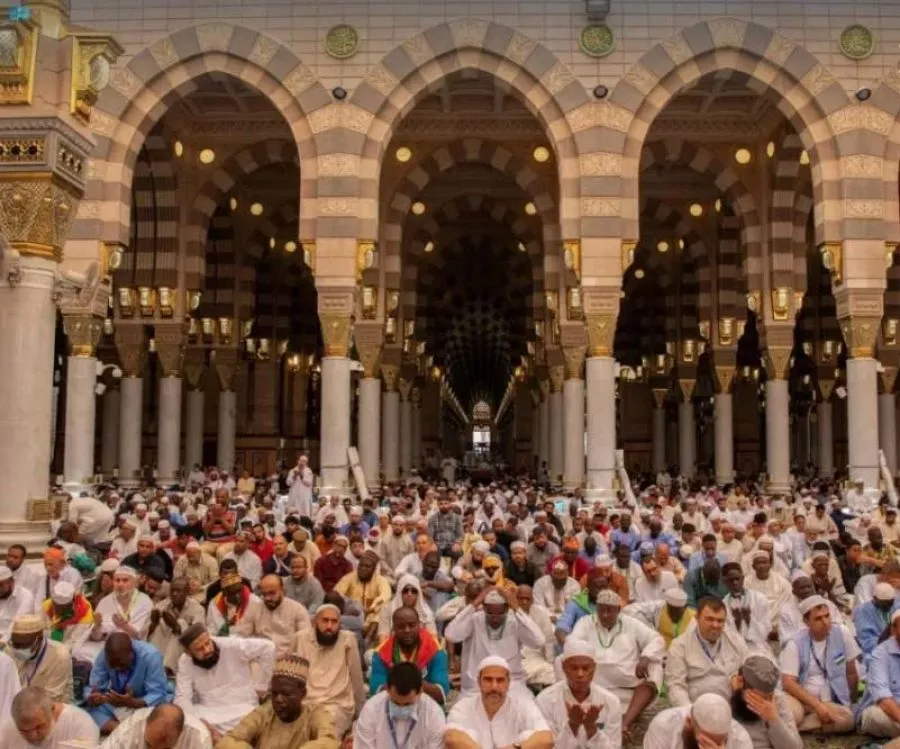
[
  {"x": 514, "y": 722},
  {"x": 666, "y": 728},
  {"x": 372, "y": 730},
  {"x": 552, "y": 703},
  {"x": 816, "y": 682},
  {"x": 41, "y": 591},
  {"x": 249, "y": 565},
  {"x": 73, "y": 724},
  {"x": 554, "y": 599},
  {"x": 137, "y": 613},
  {"x": 9, "y": 683},
  {"x": 300, "y": 481},
  {"x": 224, "y": 694},
  {"x": 757, "y": 632},
  {"x": 130, "y": 733},
  {"x": 93, "y": 518},
  {"x": 121, "y": 548},
  {"x": 645, "y": 591},
  {"x": 20, "y": 601}
]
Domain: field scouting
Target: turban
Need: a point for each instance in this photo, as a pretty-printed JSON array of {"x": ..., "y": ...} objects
[
  {"x": 231, "y": 579},
  {"x": 885, "y": 592},
  {"x": 495, "y": 597},
  {"x": 675, "y": 597},
  {"x": 54, "y": 555},
  {"x": 123, "y": 570},
  {"x": 571, "y": 544},
  {"x": 576, "y": 649},
  {"x": 481, "y": 546}
]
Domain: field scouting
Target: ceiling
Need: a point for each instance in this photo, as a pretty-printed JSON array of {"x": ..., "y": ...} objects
[{"x": 220, "y": 95}]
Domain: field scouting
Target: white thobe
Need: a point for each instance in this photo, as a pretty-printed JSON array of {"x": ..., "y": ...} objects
[
  {"x": 299, "y": 502},
  {"x": 646, "y": 591},
  {"x": 28, "y": 575},
  {"x": 9, "y": 683},
  {"x": 120, "y": 548},
  {"x": 513, "y": 723},
  {"x": 775, "y": 588},
  {"x": 130, "y": 733},
  {"x": 757, "y": 632},
  {"x": 222, "y": 695},
  {"x": 93, "y": 518},
  {"x": 470, "y": 628},
  {"x": 249, "y": 566},
  {"x": 552, "y": 703},
  {"x": 138, "y": 617},
  {"x": 538, "y": 662},
  {"x": 666, "y": 729},
  {"x": 372, "y": 730},
  {"x": 72, "y": 725},
  {"x": 165, "y": 640},
  {"x": 20, "y": 601},
  {"x": 552, "y": 598},
  {"x": 617, "y": 652}
]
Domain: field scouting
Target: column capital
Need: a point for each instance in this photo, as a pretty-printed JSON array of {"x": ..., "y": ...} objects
[
  {"x": 83, "y": 333},
  {"x": 687, "y": 389},
  {"x": 574, "y": 342},
  {"x": 390, "y": 374},
  {"x": 724, "y": 378},
  {"x": 887, "y": 378},
  {"x": 557, "y": 377},
  {"x": 826, "y": 387},
  {"x": 225, "y": 361},
  {"x": 336, "y": 308},
  {"x": 170, "y": 340},
  {"x": 601, "y": 310},
  {"x": 724, "y": 363},
  {"x": 859, "y": 313},
  {"x": 659, "y": 396},
  {"x": 778, "y": 362},
  {"x": 368, "y": 338},
  {"x": 405, "y": 387},
  {"x": 194, "y": 366},
  {"x": 131, "y": 346}
]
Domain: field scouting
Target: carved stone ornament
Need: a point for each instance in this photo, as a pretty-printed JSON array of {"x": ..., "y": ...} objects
[
  {"x": 83, "y": 333},
  {"x": 574, "y": 361},
  {"x": 826, "y": 387},
  {"x": 194, "y": 367},
  {"x": 778, "y": 362},
  {"x": 36, "y": 213},
  {"x": 336, "y": 328},
  {"x": 597, "y": 40},
  {"x": 724, "y": 378},
  {"x": 557, "y": 377},
  {"x": 132, "y": 349},
  {"x": 687, "y": 388},
  {"x": 92, "y": 61},
  {"x": 405, "y": 387},
  {"x": 601, "y": 330},
  {"x": 366, "y": 257},
  {"x": 368, "y": 338},
  {"x": 18, "y": 52},
  {"x": 659, "y": 396},
  {"x": 856, "y": 42},
  {"x": 225, "y": 364},
  {"x": 888, "y": 378},
  {"x": 342, "y": 41},
  {"x": 861, "y": 335},
  {"x": 170, "y": 340},
  {"x": 390, "y": 373}
]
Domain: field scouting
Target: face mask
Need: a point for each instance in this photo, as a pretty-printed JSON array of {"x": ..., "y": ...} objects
[
  {"x": 22, "y": 654},
  {"x": 401, "y": 712}
]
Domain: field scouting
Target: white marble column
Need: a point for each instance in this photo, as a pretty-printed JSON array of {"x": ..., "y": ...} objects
[
  {"x": 544, "y": 436},
  {"x": 226, "y": 430},
  {"x": 193, "y": 429},
  {"x": 557, "y": 439},
  {"x": 601, "y": 423},
  {"x": 724, "y": 430},
  {"x": 825, "y": 439},
  {"x": 169, "y": 431},
  {"x": 81, "y": 415},
  {"x": 130, "y": 430},
  {"x": 27, "y": 339},
  {"x": 405, "y": 434},
  {"x": 778, "y": 435},
  {"x": 687, "y": 439},
  {"x": 335, "y": 423},
  {"x": 862, "y": 418},
  {"x": 573, "y": 416},
  {"x": 390, "y": 434},
  {"x": 887, "y": 430},
  {"x": 109, "y": 430},
  {"x": 369, "y": 426}
]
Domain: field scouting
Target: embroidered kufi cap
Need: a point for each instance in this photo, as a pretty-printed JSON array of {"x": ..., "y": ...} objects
[{"x": 292, "y": 667}]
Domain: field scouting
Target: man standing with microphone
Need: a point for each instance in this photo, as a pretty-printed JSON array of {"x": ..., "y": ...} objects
[{"x": 300, "y": 480}]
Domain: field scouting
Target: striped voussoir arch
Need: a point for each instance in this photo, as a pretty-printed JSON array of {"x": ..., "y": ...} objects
[
  {"x": 214, "y": 194},
  {"x": 791, "y": 204},
  {"x": 886, "y": 109},
  {"x": 464, "y": 215},
  {"x": 142, "y": 92},
  {"x": 441, "y": 160},
  {"x": 677, "y": 152},
  {"x": 419, "y": 65},
  {"x": 696, "y": 284},
  {"x": 804, "y": 90},
  {"x": 151, "y": 258}
]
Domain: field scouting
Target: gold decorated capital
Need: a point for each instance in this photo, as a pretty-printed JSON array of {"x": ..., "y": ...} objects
[
  {"x": 93, "y": 56},
  {"x": 170, "y": 340},
  {"x": 557, "y": 377},
  {"x": 601, "y": 331},
  {"x": 368, "y": 338},
  {"x": 405, "y": 387},
  {"x": 335, "y": 333},
  {"x": 861, "y": 335},
  {"x": 573, "y": 357},
  {"x": 888, "y": 377},
  {"x": 194, "y": 367},
  {"x": 778, "y": 362},
  {"x": 659, "y": 396},
  {"x": 132, "y": 349},
  {"x": 724, "y": 378},
  {"x": 36, "y": 212},
  {"x": 687, "y": 388},
  {"x": 225, "y": 362},
  {"x": 83, "y": 333},
  {"x": 390, "y": 374},
  {"x": 826, "y": 388}
]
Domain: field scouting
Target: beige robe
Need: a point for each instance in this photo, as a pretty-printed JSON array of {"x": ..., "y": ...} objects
[
  {"x": 165, "y": 640},
  {"x": 280, "y": 626},
  {"x": 335, "y": 677},
  {"x": 200, "y": 574},
  {"x": 53, "y": 675},
  {"x": 371, "y": 596},
  {"x": 262, "y": 729}
]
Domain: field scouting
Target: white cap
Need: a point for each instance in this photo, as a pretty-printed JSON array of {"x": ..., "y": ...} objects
[
  {"x": 799, "y": 575},
  {"x": 398, "y": 519},
  {"x": 711, "y": 713},
  {"x": 808, "y": 604},
  {"x": 63, "y": 592},
  {"x": 685, "y": 551},
  {"x": 493, "y": 660},
  {"x": 153, "y": 515},
  {"x": 123, "y": 570},
  {"x": 494, "y": 597},
  {"x": 163, "y": 524},
  {"x": 482, "y": 546},
  {"x": 604, "y": 560},
  {"x": 109, "y": 565},
  {"x": 675, "y": 597},
  {"x": 608, "y": 597},
  {"x": 576, "y": 649},
  {"x": 885, "y": 592}
]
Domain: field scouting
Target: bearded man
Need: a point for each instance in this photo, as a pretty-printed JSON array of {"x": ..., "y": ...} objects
[
  {"x": 275, "y": 617},
  {"x": 216, "y": 681}
]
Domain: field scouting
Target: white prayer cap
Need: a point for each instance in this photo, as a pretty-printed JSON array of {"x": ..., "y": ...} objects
[
  {"x": 5, "y": 573},
  {"x": 482, "y": 546},
  {"x": 493, "y": 661},
  {"x": 685, "y": 551},
  {"x": 163, "y": 524},
  {"x": 798, "y": 575},
  {"x": 604, "y": 560},
  {"x": 140, "y": 506},
  {"x": 356, "y": 510},
  {"x": 577, "y": 649},
  {"x": 517, "y": 545},
  {"x": 675, "y": 597},
  {"x": 123, "y": 570},
  {"x": 153, "y": 515},
  {"x": 109, "y": 565},
  {"x": 328, "y": 607},
  {"x": 341, "y": 539},
  {"x": 129, "y": 523},
  {"x": 63, "y": 592},
  {"x": 884, "y": 592},
  {"x": 608, "y": 598},
  {"x": 819, "y": 554},
  {"x": 494, "y": 597},
  {"x": 146, "y": 537},
  {"x": 740, "y": 528},
  {"x": 398, "y": 519},
  {"x": 192, "y": 545},
  {"x": 759, "y": 554},
  {"x": 711, "y": 713},
  {"x": 808, "y": 604}
]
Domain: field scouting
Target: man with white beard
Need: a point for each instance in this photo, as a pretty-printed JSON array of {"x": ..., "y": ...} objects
[
  {"x": 215, "y": 677},
  {"x": 37, "y": 722}
]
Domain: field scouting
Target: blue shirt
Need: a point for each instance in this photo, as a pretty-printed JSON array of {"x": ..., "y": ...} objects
[
  {"x": 884, "y": 675},
  {"x": 869, "y": 623},
  {"x": 630, "y": 538},
  {"x": 146, "y": 679},
  {"x": 698, "y": 559}
]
